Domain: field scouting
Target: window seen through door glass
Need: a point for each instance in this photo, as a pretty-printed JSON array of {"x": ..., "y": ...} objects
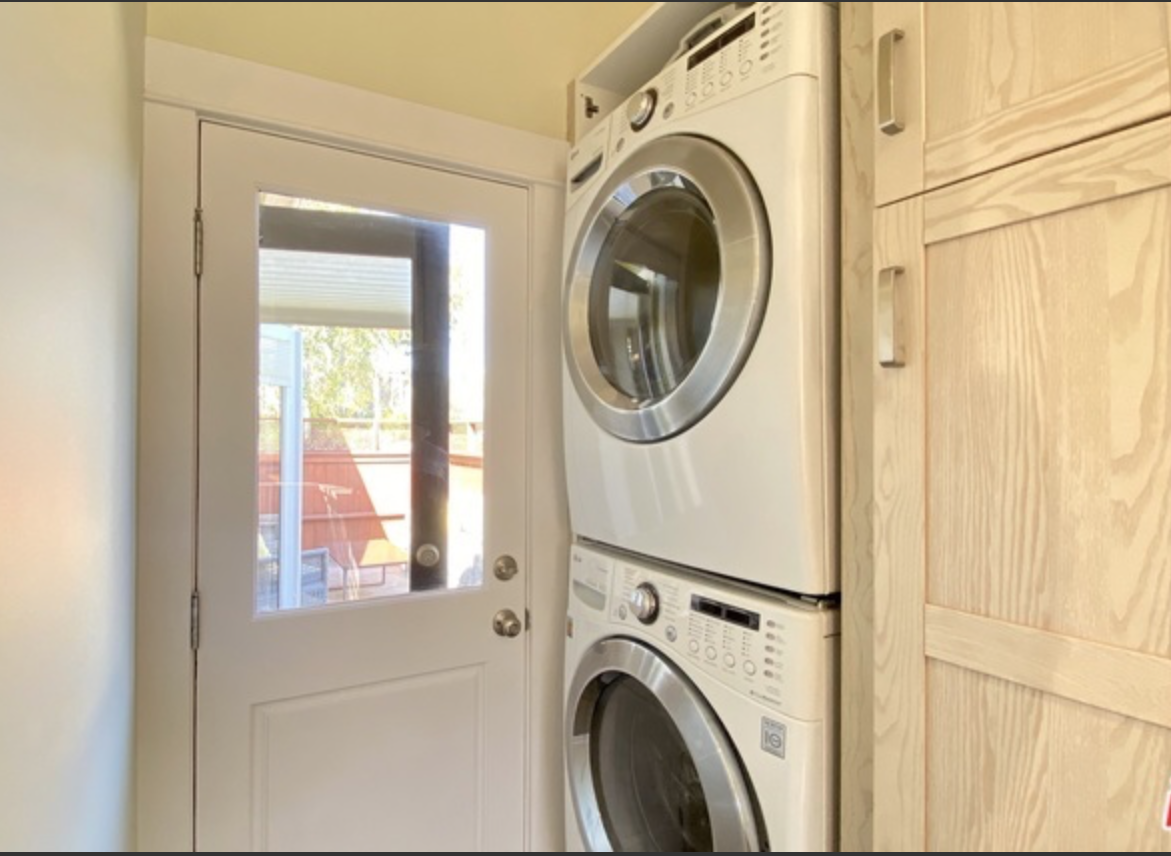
[{"x": 370, "y": 401}]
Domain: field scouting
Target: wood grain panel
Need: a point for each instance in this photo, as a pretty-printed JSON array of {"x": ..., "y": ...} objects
[
  {"x": 900, "y": 157},
  {"x": 1050, "y": 441},
  {"x": 1128, "y": 162},
  {"x": 1121, "y": 96},
  {"x": 899, "y": 550},
  {"x": 986, "y": 765},
  {"x": 857, "y": 753},
  {"x": 1007, "y": 81},
  {"x": 1013, "y": 769},
  {"x": 1115, "y": 679}
]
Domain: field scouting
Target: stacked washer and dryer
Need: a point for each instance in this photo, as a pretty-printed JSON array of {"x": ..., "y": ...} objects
[{"x": 700, "y": 435}]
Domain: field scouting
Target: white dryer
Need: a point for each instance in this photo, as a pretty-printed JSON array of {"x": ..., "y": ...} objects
[
  {"x": 700, "y": 308},
  {"x": 699, "y": 715}
]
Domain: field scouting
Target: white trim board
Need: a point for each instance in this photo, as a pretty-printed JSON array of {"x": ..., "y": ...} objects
[
  {"x": 183, "y": 86},
  {"x": 236, "y": 90}
]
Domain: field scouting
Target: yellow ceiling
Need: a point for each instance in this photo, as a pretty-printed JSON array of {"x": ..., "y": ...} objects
[{"x": 508, "y": 63}]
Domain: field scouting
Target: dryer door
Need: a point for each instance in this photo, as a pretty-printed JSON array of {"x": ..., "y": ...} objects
[
  {"x": 667, "y": 288},
  {"x": 650, "y": 766}
]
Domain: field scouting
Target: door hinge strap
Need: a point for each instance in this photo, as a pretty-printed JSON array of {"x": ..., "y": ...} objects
[
  {"x": 198, "y": 250},
  {"x": 194, "y": 621}
]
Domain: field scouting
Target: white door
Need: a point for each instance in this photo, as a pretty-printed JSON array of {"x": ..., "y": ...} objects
[{"x": 356, "y": 690}]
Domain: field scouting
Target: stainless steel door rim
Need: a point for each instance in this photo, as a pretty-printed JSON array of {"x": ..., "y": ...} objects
[
  {"x": 727, "y": 794},
  {"x": 708, "y": 173}
]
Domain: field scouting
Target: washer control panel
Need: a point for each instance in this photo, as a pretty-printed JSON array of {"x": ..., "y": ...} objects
[{"x": 770, "y": 647}]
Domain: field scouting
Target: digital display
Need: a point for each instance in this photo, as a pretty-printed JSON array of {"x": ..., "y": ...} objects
[
  {"x": 732, "y": 615},
  {"x": 721, "y": 41}
]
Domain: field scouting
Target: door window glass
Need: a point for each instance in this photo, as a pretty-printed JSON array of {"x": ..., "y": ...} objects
[{"x": 370, "y": 405}]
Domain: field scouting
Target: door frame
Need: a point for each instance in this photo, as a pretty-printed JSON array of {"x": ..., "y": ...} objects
[{"x": 183, "y": 87}]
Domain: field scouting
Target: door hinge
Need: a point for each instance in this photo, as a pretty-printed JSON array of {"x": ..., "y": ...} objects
[
  {"x": 198, "y": 249},
  {"x": 195, "y": 621}
]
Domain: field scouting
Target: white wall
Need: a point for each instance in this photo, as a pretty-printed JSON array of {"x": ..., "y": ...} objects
[
  {"x": 508, "y": 63},
  {"x": 69, "y": 161}
]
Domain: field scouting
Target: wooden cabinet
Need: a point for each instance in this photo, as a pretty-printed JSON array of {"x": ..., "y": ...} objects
[
  {"x": 1022, "y": 454},
  {"x": 1007, "y": 437},
  {"x": 965, "y": 88}
]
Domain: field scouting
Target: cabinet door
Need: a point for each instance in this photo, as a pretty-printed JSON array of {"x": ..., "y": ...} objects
[
  {"x": 1022, "y": 473},
  {"x": 997, "y": 83}
]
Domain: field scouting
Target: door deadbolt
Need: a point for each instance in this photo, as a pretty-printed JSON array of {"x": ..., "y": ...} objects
[
  {"x": 506, "y": 569},
  {"x": 506, "y": 624}
]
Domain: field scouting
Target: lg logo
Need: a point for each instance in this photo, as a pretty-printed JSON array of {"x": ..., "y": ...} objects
[
  {"x": 773, "y": 737},
  {"x": 1167, "y": 811}
]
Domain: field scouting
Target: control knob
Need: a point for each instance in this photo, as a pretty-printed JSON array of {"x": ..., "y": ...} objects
[
  {"x": 641, "y": 108},
  {"x": 644, "y": 603}
]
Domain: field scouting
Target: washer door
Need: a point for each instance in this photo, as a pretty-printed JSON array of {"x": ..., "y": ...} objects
[
  {"x": 650, "y": 767},
  {"x": 667, "y": 288}
]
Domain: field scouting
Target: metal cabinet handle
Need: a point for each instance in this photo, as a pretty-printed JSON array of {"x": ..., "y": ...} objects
[
  {"x": 892, "y": 351},
  {"x": 888, "y": 120}
]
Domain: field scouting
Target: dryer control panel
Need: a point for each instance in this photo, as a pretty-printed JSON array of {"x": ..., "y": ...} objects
[
  {"x": 770, "y": 647},
  {"x": 767, "y": 42}
]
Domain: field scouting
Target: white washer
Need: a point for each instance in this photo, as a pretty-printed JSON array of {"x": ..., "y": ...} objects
[
  {"x": 699, "y": 715},
  {"x": 701, "y": 306}
]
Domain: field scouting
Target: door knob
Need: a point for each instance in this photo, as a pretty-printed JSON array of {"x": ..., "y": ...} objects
[{"x": 506, "y": 624}]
